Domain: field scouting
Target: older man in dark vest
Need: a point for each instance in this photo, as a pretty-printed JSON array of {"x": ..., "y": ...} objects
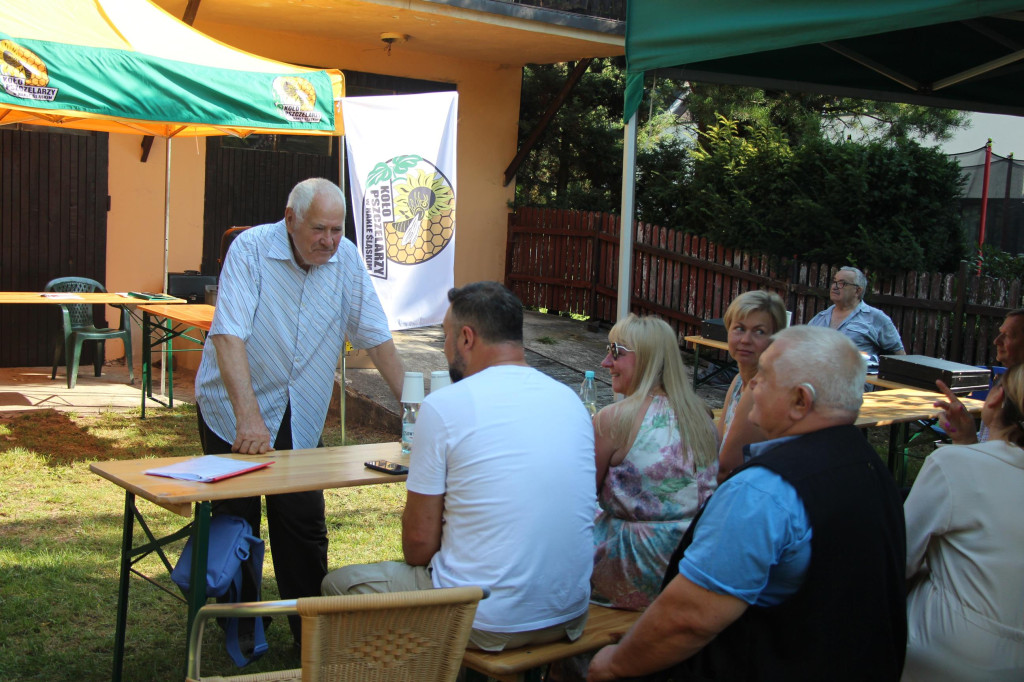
[{"x": 794, "y": 569}]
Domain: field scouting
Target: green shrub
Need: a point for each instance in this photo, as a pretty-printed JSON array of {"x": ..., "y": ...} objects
[{"x": 882, "y": 206}]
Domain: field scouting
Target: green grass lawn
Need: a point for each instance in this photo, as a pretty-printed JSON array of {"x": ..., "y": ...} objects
[{"x": 60, "y": 535}]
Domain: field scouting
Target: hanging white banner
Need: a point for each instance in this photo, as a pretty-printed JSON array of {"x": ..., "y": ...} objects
[{"x": 401, "y": 161}]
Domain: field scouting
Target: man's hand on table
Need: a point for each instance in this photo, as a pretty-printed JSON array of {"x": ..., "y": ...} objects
[{"x": 251, "y": 436}]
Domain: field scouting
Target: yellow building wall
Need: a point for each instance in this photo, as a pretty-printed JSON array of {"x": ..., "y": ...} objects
[
  {"x": 135, "y": 223},
  {"x": 487, "y": 136}
]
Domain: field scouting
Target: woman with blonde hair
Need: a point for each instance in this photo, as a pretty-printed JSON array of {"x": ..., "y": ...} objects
[
  {"x": 750, "y": 320},
  {"x": 656, "y": 462},
  {"x": 965, "y": 552}
]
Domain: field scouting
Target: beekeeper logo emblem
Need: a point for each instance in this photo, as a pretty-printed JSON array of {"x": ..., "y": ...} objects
[
  {"x": 296, "y": 98},
  {"x": 408, "y": 213},
  {"x": 23, "y": 74}
]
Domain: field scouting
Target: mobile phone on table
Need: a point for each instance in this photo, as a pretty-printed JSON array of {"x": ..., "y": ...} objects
[{"x": 387, "y": 467}]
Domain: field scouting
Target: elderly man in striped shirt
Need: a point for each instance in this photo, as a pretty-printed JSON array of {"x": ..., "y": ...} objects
[{"x": 289, "y": 294}]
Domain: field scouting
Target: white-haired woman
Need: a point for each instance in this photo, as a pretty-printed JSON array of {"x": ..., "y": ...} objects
[
  {"x": 656, "y": 454},
  {"x": 750, "y": 320},
  {"x": 965, "y": 552}
]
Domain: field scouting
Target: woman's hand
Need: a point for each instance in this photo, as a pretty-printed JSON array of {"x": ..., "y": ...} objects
[{"x": 955, "y": 420}]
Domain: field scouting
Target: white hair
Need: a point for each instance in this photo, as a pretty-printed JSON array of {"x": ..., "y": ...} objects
[
  {"x": 825, "y": 359},
  {"x": 859, "y": 279},
  {"x": 301, "y": 196}
]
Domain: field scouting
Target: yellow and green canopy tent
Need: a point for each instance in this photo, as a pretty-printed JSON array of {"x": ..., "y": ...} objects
[{"x": 128, "y": 66}]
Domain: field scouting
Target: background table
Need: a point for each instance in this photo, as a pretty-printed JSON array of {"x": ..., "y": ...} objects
[
  {"x": 291, "y": 471},
  {"x": 702, "y": 341},
  {"x": 83, "y": 298},
  {"x": 161, "y": 324},
  {"x": 898, "y": 409}
]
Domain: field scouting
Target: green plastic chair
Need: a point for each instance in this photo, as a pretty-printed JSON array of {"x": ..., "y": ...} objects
[{"x": 78, "y": 327}]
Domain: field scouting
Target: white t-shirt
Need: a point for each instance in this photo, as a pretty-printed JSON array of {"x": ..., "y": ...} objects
[{"x": 512, "y": 451}]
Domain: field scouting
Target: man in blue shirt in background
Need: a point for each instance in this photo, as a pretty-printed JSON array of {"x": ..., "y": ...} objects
[
  {"x": 871, "y": 330},
  {"x": 794, "y": 568}
]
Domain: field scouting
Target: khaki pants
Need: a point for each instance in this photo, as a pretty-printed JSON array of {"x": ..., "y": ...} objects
[{"x": 398, "y": 576}]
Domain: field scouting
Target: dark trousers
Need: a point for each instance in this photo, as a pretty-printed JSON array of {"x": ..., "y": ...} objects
[{"x": 298, "y": 529}]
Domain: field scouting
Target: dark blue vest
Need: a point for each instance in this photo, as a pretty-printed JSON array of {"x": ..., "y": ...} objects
[{"x": 848, "y": 621}]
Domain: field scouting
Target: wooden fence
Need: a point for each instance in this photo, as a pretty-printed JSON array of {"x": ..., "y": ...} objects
[{"x": 567, "y": 261}]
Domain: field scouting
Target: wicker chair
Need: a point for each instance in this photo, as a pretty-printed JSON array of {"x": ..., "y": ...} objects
[{"x": 417, "y": 635}]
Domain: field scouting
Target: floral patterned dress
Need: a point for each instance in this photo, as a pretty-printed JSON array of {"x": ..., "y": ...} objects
[
  {"x": 730, "y": 408},
  {"x": 646, "y": 503}
]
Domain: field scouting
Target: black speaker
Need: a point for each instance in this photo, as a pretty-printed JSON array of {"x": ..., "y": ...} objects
[
  {"x": 189, "y": 285},
  {"x": 714, "y": 329}
]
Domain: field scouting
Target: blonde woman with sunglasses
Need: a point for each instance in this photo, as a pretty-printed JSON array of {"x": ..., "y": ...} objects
[
  {"x": 656, "y": 454},
  {"x": 965, "y": 552}
]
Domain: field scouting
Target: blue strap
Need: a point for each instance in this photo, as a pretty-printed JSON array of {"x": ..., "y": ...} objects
[{"x": 259, "y": 638}]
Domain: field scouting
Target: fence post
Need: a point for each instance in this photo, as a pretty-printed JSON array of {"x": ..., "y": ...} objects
[
  {"x": 509, "y": 250},
  {"x": 592, "y": 224},
  {"x": 960, "y": 297}
]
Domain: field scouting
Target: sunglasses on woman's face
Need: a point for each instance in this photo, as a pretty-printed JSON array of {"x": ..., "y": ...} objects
[{"x": 617, "y": 349}]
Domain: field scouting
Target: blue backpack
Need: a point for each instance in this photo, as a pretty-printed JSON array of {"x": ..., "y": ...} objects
[{"x": 233, "y": 548}]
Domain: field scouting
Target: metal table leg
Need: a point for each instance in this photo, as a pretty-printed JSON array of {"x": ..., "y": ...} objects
[
  {"x": 127, "y": 532},
  {"x": 897, "y": 438},
  {"x": 168, "y": 362},
  {"x": 696, "y": 365},
  {"x": 198, "y": 529},
  {"x": 197, "y": 588}
]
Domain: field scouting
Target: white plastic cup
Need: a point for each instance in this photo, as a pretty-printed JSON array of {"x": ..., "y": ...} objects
[
  {"x": 789, "y": 318},
  {"x": 439, "y": 379},
  {"x": 412, "y": 388}
]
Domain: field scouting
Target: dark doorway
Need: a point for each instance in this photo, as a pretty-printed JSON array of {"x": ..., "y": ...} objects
[{"x": 53, "y": 223}]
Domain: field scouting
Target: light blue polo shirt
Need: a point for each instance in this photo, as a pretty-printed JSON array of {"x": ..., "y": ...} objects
[{"x": 753, "y": 541}]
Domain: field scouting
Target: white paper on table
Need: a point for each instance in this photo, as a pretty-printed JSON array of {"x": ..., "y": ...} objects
[{"x": 207, "y": 469}]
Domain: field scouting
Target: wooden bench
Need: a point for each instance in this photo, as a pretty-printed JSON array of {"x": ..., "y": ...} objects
[{"x": 604, "y": 626}]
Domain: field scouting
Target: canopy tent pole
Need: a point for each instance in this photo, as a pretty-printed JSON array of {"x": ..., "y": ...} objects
[
  {"x": 344, "y": 349},
  {"x": 626, "y": 219},
  {"x": 167, "y": 245},
  {"x": 984, "y": 200},
  {"x": 167, "y": 207}
]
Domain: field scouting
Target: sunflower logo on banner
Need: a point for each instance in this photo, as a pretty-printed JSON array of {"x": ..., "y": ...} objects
[
  {"x": 411, "y": 206},
  {"x": 404, "y": 195},
  {"x": 296, "y": 98}
]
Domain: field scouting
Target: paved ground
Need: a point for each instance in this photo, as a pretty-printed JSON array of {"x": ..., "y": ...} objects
[
  {"x": 558, "y": 346},
  {"x": 26, "y": 389}
]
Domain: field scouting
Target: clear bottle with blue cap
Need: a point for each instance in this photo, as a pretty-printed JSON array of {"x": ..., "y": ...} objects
[{"x": 588, "y": 393}]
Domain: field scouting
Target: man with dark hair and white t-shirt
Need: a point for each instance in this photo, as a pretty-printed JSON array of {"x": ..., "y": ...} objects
[{"x": 501, "y": 485}]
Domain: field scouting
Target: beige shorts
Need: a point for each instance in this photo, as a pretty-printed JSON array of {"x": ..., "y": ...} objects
[{"x": 398, "y": 576}]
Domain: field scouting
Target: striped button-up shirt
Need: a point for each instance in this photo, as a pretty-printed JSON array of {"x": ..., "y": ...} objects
[{"x": 294, "y": 324}]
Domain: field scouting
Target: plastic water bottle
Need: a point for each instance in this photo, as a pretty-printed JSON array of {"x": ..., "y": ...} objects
[
  {"x": 588, "y": 393},
  {"x": 409, "y": 411},
  {"x": 412, "y": 396}
]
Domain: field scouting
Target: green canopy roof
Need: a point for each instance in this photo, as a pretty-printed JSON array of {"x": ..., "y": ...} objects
[{"x": 963, "y": 54}]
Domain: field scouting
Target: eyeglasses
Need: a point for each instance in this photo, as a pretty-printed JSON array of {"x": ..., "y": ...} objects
[
  {"x": 617, "y": 349},
  {"x": 842, "y": 284}
]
